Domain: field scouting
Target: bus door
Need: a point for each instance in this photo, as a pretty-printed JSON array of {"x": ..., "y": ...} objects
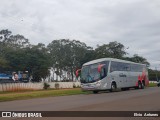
[
  {"x": 123, "y": 78},
  {"x": 103, "y": 69}
]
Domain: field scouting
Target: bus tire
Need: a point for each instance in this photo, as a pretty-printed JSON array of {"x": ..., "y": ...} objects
[
  {"x": 139, "y": 85},
  {"x": 95, "y": 92},
  {"x": 113, "y": 87},
  {"x": 142, "y": 85}
]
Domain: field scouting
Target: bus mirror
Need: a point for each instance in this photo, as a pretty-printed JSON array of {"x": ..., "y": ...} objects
[
  {"x": 78, "y": 72},
  {"x": 100, "y": 67}
]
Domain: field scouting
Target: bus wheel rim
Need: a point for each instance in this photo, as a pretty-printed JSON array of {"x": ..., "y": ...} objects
[
  {"x": 139, "y": 85},
  {"x": 113, "y": 86}
]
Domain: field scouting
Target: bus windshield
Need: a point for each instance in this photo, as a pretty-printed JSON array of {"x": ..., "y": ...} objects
[{"x": 90, "y": 74}]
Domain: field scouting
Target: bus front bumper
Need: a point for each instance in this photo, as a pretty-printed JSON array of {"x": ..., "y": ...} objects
[{"x": 91, "y": 86}]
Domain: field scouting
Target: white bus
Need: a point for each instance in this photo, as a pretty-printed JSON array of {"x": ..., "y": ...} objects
[{"x": 111, "y": 74}]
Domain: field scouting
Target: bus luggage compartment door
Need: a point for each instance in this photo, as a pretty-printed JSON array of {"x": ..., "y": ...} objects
[{"x": 123, "y": 79}]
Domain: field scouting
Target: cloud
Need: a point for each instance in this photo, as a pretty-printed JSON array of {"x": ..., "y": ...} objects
[{"x": 134, "y": 23}]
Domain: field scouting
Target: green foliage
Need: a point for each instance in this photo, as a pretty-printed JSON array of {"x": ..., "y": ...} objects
[
  {"x": 67, "y": 55},
  {"x": 17, "y": 54},
  {"x": 113, "y": 50},
  {"x": 5, "y": 34},
  {"x": 74, "y": 86},
  {"x": 138, "y": 59},
  {"x": 38, "y": 62},
  {"x": 154, "y": 75},
  {"x": 3, "y": 64},
  {"x": 46, "y": 85}
]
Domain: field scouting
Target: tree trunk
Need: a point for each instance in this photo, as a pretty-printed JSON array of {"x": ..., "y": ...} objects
[{"x": 72, "y": 73}]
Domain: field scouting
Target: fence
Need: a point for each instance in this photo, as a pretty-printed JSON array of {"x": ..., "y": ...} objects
[
  {"x": 153, "y": 82},
  {"x": 39, "y": 86},
  {"x": 36, "y": 86}
]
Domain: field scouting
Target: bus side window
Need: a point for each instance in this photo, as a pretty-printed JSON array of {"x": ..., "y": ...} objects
[
  {"x": 113, "y": 66},
  {"x": 103, "y": 73},
  {"x": 127, "y": 67},
  {"x": 111, "y": 70}
]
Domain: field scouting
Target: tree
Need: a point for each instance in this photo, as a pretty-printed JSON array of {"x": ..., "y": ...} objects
[
  {"x": 67, "y": 55},
  {"x": 153, "y": 74},
  {"x": 34, "y": 59},
  {"x": 113, "y": 49},
  {"x": 37, "y": 62},
  {"x": 138, "y": 59},
  {"x": 17, "y": 41},
  {"x": 17, "y": 54},
  {"x": 4, "y": 34},
  {"x": 9, "y": 42},
  {"x": 3, "y": 64}
]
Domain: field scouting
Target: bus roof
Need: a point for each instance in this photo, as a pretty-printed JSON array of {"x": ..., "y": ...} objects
[{"x": 109, "y": 59}]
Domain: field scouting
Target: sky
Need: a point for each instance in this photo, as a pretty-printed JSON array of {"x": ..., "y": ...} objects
[{"x": 134, "y": 23}]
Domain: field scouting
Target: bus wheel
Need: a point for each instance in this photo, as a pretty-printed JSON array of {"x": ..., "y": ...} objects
[
  {"x": 113, "y": 87},
  {"x": 142, "y": 85},
  {"x": 139, "y": 85},
  {"x": 95, "y": 92}
]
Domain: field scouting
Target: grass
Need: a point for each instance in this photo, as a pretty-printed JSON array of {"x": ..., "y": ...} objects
[
  {"x": 9, "y": 96},
  {"x": 152, "y": 84}
]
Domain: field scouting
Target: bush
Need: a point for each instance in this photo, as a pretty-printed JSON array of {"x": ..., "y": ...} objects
[
  {"x": 74, "y": 86},
  {"x": 46, "y": 86},
  {"x": 57, "y": 85},
  {"x": 78, "y": 86}
]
